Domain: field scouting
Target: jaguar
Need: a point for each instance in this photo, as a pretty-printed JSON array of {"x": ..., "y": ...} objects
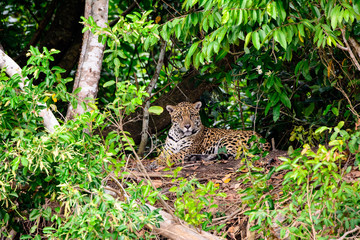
[{"x": 189, "y": 137}]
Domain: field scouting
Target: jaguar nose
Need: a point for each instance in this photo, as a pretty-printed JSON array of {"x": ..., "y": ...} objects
[{"x": 187, "y": 126}]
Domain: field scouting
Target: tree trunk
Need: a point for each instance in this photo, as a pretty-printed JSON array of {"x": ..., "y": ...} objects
[{"x": 88, "y": 74}]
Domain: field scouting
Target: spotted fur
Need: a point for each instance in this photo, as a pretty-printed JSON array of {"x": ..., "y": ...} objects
[{"x": 187, "y": 136}]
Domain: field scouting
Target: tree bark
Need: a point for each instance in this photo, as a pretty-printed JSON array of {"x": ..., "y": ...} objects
[
  {"x": 88, "y": 74},
  {"x": 12, "y": 68},
  {"x": 172, "y": 230}
]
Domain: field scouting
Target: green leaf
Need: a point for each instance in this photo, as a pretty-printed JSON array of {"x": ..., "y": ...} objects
[
  {"x": 353, "y": 146},
  {"x": 276, "y": 112},
  {"x": 340, "y": 124},
  {"x": 327, "y": 109},
  {"x": 26, "y": 237},
  {"x": 109, "y": 83},
  {"x": 194, "y": 19},
  {"x": 157, "y": 110},
  {"x": 165, "y": 33},
  {"x": 196, "y": 60},
  {"x": 34, "y": 214},
  {"x": 92, "y": 105},
  {"x": 268, "y": 106},
  {"x": 309, "y": 109},
  {"x": 356, "y": 6},
  {"x": 15, "y": 163},
  {"x": 221, "y": 55},
  {"x": 187, "y": 61},
  {"x": 24, "y": 161},
  {"x": 147, "y": 43},
  {"x": 256, "y": 40},
  {"x": 248, "y": 197},
  {"x": 225, "y": 17},
  {"x": 254, "y": 228},
  {"x": 280, "y": 37},
  {"x": 247, "y": 39},
  {"x": 335, "y": 111},
  {"x": 334, "y": 16},
  {"x": 321, "y": 129},
  {"x": 205, "y": 24},
  {"x": 77, "y": 90},
  {"x": 216, "y": 47},
  {"x": 48, "y": 230},
  {"x": 220, "y": 36},
  {"x": 285, "y": 100},
  {"x": 192, "y": 49},
  {"x": 281, "y": 10}
]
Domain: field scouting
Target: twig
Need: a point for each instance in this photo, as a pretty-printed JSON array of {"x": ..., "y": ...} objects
[
  {"x": 352, "y": 109},
  {"x": 227, "y": 218},
  {"x": 142, "y": 168},
  {"x": 118, "y": 193},
  {"x": 150, "y": 87},
  {"x": 256, "y": 109},
  {"x": 348, "y": 49},
  {"x": 357, "y": 228},
  {"x": 43, "y": 24},
  {"x": 355, "y": 44},
  {"x": 309, "y": 206},
  {"x": 126, "y": 12},
  {"x": 237, "y": 86}
]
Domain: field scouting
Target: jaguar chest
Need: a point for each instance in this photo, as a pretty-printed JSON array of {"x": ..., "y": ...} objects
[{"x": 176, "y": 146}]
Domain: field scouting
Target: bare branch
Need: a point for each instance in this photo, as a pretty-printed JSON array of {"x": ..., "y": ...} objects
[
  {"x": 355, "y": 45},
  {"x": 352, "y": 109},
  {"x": 44, "y": 22},
  {"x": 352, "y": 56},
  {"x": 126, "y": 12},
  {"x": 342, "y": 48},
  {"x": 357, "y": 228},
  {"x": 150, "y": 87}
]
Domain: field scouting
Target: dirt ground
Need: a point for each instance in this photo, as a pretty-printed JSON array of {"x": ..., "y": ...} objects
[{"x": 224, "y": 173}]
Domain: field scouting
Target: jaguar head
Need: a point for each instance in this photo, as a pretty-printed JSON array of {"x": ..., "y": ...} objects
[{"x": 185, "y": 117}]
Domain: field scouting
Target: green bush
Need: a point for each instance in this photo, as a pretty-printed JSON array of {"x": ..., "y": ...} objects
[
  {"x": 51, "y": 184},
  {"x": 315, "y": 202},
  {"x": 194, "y": 200}
]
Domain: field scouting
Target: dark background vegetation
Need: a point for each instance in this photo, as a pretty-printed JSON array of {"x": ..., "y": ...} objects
[{"x": 232, "y": 89}]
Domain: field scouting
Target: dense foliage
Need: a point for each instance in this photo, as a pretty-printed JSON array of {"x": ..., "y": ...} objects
[
  {"x": 315, "y": 200},
  {"x": 288, "y": 69},
  {"x": 52, "y": 183}
]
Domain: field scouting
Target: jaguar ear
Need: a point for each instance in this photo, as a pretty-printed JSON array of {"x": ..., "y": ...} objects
[
  {"x": 170, "y": 108},
  {"x": 197, "y": 105}
]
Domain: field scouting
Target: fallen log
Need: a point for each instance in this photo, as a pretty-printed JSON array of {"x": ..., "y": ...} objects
[{"x": 170, "y": 228}]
